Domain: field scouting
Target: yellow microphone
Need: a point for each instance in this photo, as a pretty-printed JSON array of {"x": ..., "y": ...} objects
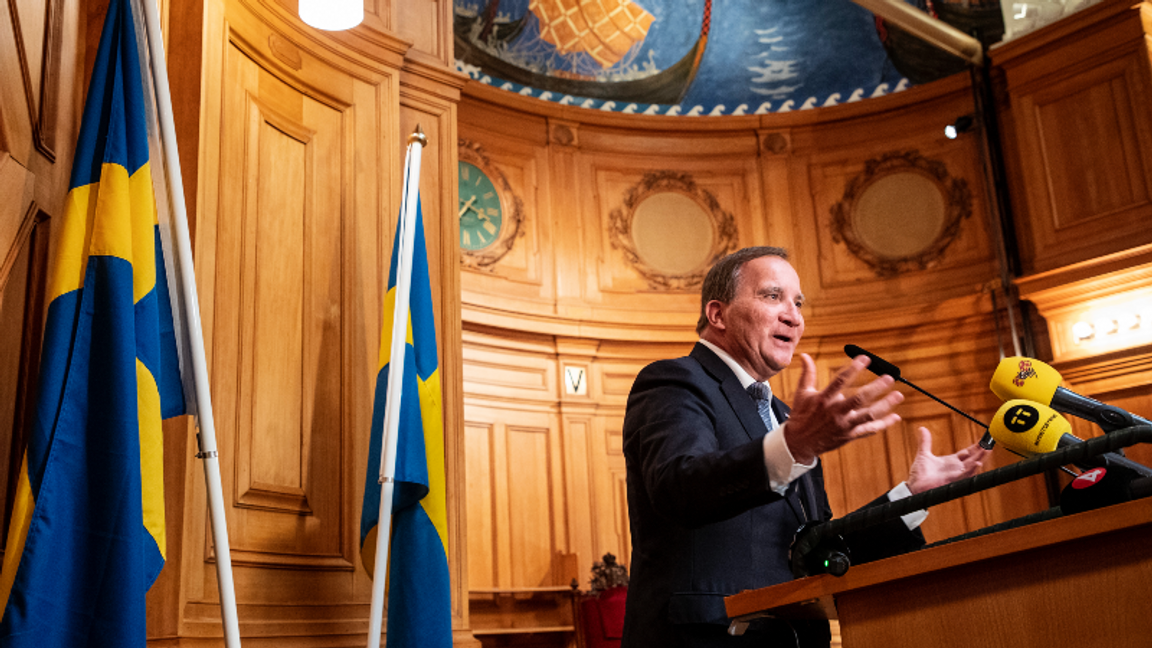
[
  {"x": 1031, "y": 379},
  {"x": 1029, "y": 428}
]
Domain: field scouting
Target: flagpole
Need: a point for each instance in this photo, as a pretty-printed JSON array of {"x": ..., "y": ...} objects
[
  {"x": 406, "y": 240},
  {"x": 207, "y": 435}
]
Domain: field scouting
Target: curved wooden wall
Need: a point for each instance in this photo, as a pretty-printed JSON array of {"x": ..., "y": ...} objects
[
  {"x": 545, "y": 467},
  {"x": 292, "y": 143}
]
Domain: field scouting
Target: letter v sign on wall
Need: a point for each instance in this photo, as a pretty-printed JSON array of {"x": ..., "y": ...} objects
[{"x": 574, "y": 382}]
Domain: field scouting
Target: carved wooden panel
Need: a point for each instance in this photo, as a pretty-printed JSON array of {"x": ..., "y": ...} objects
[
  {"x": 37, "y": 65},
  {"x": 428, "y": 24},
  {"x": 1087, "y": 139},
  {"x": 515, "y": 265},
  {"x": 843, "y": 272},
  {"x": 512, "y": 474},
  {"x": 1078, "y": 137},
  {"x": 721, "y": 192},
  {"x": 278, "y": 338},
  {"x": 31, "y": 57}
]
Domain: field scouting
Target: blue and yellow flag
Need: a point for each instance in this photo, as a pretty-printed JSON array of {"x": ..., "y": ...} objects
[
  {"x": 86, "y": 539},
  {"x": 419, "y": 599}
]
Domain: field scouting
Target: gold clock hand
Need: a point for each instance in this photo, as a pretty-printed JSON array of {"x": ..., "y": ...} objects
[
  {"x": 479, "y": 214},
  {"x": 466, "y": 206}
]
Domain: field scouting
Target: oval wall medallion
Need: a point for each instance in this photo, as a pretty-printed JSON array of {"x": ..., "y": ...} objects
[
  {"x": 491, "y": 214},
  {"x": 901, "y": 212},
  {"x": 671, "y": 231}
]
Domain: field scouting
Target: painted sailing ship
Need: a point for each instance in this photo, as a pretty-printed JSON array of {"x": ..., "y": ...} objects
[{"x": 567, "y": 25}]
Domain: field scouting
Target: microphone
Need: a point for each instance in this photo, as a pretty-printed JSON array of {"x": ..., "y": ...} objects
[
  {"x": 882, "y": 367},
  {"x": 1031, "y": 379},
  {"x": 1101, "y": 487},
  {"x": 1029, "y": 428}
]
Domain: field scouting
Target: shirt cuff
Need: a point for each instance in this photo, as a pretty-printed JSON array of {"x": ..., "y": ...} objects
[
  {"x": 913, "y": 519},
  {"x": 782, "y": 467}
]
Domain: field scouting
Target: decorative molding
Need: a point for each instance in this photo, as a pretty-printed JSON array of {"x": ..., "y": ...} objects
[
  {"x": 44, "y": 126},
  {"x": 957, "y": 202},
  {"x": 656, "y": 182},
  {"x": 285, "y": 50},
  {"x": 775, "y": 143},
  {"x": 563, "y": 133},
  {"x": 512, "y": 228}
]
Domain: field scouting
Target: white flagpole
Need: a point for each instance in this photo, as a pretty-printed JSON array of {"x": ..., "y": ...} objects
[
  {"x": 195, "y": 335},
  {"x": 407, "y": 239}
]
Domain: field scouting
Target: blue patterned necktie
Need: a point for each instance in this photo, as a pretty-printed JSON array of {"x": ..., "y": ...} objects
[{"x": 762, "y": 394}]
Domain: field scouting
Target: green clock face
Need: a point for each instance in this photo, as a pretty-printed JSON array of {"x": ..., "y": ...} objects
[{"x": 480, "y": 211}]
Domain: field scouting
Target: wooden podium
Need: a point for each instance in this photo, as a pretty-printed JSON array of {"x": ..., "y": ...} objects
[{"x": 1081, "y": 580}]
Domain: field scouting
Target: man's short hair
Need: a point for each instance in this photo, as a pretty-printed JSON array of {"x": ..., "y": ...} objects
[{"x": 720, "y": 282}]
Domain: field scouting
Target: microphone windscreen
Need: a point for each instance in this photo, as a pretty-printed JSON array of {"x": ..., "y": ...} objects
[
  {"x": 1096, "y": 488},
  {"x": 1028, "y": 428},
  {"x": 878, "y": 365},
  {"x": 1025, "y": 378}
]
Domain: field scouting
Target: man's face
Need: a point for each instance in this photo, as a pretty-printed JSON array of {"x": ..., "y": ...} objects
[{"x": 762, "y": 325}]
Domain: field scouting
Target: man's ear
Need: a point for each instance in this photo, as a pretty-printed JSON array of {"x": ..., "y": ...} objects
[{"x": 714, "y": 311}]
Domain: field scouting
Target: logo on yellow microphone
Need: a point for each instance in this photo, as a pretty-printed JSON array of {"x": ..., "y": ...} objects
[
  {"x": 1026, "y": 372},
  {"x": 1021, "y": 418}
]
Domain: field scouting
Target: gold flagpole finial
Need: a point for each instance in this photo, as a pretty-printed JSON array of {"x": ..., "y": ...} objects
[{"x": 418, "y": 136}]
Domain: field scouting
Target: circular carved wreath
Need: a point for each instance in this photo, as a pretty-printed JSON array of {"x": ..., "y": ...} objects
[
  {"x": 657, "y": 182},
  {"x": 957, "y": 207}
]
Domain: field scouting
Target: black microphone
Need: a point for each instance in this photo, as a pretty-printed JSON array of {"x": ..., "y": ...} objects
[
  {"x": 1033, "y": 380},
  {"x": 1101, "y": 487},
  {"x": 882, "y": 367}
]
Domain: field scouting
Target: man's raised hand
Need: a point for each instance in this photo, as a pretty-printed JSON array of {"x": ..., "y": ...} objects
[{"x": 823, "y": 420}]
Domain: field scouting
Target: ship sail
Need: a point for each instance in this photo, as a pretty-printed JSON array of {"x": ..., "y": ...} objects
[{"x": 605, "y": 29}]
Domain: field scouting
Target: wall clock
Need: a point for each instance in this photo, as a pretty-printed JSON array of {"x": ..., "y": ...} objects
[
  {"x": 481, "y": 214},
  {"x": 489, "y": 210}
]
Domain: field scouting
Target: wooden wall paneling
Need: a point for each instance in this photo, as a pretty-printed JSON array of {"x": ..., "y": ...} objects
[
  {"x": 569, "y": 203},
  {"x": 290, "y": 240},
  {"x": 582, "y": 514},
  {"x": 618, "y": 285},
  {"x": 612, "y": 530},
  {"x": 38, "y": 60},
  {"x": 16, "y": 102},
  {"x": 483, "y": 559},
  {"x": 517, "y": 374},
  {"x": 521, "y": 467},
  {"x": 281, "y": 247},
  {"x": 22, "y": 282},
  {"x": 1089, "y": 136},
  {"x": 775, "y": 225},
  {"x": 522, "y": 278},
  {"x": 1078, "y": 92},
  {"x": 18, "y": 186},
  {"x": 428, "y": 98},
  {"x": 848, "y": 281},
  {"x": 525, "y": 458},
  {"x": 428, "y": 24}
]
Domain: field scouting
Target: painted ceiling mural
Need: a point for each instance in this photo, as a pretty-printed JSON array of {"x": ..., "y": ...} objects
[{"x": 677, "y": 57}]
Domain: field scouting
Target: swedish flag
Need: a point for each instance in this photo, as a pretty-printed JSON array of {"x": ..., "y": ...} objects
[
  {"x": 86, "y": 539},
  {"x": 419, "y": 599}
]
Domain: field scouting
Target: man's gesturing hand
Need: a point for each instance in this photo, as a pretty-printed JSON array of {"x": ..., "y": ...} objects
[
  {"x": 929, "y": 471},
  {"x": 824, "y": 420}
]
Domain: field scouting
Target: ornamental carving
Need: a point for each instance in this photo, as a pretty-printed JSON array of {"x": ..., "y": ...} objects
[
  {"x": 671, "y": 231},
  {"x": 901, "y": 213}
]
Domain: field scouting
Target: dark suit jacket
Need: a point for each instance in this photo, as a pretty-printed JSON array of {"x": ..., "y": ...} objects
[{"x": 704, "y": 523}]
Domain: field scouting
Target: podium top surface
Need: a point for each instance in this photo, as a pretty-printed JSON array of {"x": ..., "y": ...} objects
[{"x": 813, "y": 597}]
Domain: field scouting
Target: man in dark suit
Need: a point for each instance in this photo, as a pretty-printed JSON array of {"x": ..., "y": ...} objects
[{"x": 721, "y": 474}]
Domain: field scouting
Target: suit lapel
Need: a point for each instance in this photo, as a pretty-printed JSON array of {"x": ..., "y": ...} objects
[{"x": 737, "y": 398}]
